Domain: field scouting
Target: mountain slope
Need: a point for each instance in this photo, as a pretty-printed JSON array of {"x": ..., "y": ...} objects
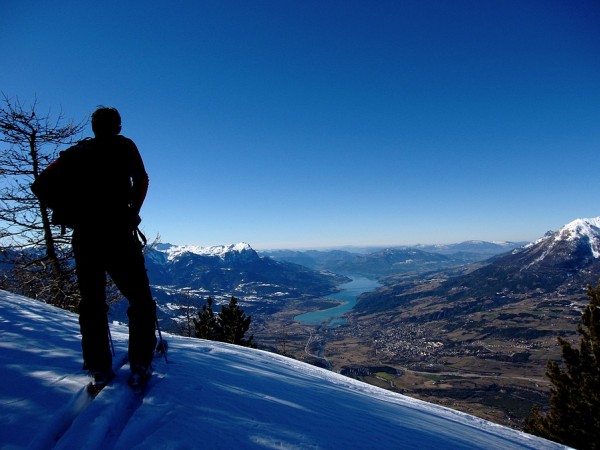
[
  {"x": 565, "y": 261},
  {"x": 237, "y": 397},
  {"x": 234, "y": 269},
  {"x": 182, "y": 277},
  {"x": 561, "y": 262}
]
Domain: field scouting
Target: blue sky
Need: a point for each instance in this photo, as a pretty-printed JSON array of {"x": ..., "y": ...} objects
[{"x": 322, "y": 123}]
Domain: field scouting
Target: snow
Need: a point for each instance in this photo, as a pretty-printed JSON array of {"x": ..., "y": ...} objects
[
  {"x": 587, "y": 229},
  {"x": 584, "y": 228},
  {"x": 209, "y": 395},
  {"x": 216, "y": 250}
]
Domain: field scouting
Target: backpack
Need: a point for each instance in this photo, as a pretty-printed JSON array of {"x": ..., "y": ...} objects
[{"x": 61, "y": 186}]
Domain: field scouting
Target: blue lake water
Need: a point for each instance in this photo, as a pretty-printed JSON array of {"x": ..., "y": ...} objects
[{"x": 349, "y": 293}]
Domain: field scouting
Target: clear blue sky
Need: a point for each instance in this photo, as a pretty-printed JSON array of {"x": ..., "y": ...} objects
[{"x": 321, "y": 123}]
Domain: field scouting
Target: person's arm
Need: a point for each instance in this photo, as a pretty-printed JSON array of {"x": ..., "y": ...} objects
[{"x": 140, "y": 181}]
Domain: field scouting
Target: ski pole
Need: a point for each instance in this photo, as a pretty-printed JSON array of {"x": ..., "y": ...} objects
[
  {"x": 112, "y": 345},
  {"x": 161, "y": 344}
]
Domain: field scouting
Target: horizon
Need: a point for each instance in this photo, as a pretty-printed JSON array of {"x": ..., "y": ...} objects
[
  {"x": 368, "y": 247},
  {"x": 324, "y": 124},
  {"x": 349, "y": 246}
]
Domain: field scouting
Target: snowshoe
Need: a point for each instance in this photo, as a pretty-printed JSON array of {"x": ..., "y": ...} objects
[
  {"x": 161, "y": 348},
  {"x": 101, "y": 379},
  {"x": 139, "y": 376}
]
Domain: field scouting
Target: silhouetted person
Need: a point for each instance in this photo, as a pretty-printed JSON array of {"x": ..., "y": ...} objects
[{"x": 105, "y": 241}]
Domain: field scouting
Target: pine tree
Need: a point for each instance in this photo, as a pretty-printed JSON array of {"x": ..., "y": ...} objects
[
  {"x": 234, "y": 324},
  {"x": 206, "y": 325},
  {"x": 230, "y": 325},
  {"x": 574, "y": 415}
]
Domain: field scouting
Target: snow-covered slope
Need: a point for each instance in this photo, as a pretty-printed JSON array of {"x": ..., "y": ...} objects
[{"x": 210, "y": 395}]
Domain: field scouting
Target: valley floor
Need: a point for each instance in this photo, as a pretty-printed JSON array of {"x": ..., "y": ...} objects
[{"x": 493, "y": 375}]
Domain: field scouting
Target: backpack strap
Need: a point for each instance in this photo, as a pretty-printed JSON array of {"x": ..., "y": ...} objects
[{"x": 140, "y": 236}]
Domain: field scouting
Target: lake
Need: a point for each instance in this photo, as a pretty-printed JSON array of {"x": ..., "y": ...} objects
[{"x": 349, "y": 294}]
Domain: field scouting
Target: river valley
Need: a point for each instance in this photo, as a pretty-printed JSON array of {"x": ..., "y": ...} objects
[{"x": 348, "y": 296}]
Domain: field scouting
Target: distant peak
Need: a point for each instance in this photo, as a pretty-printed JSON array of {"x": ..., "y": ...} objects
[
  {"x": 581, "y": 227},
  {"x": 585, "y": 230},
  {"x": 215, "y": 250},
  {"x": 241, "y": 247}
]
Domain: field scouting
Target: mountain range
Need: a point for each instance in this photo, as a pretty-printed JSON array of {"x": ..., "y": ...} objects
[
  {"x": 479, "y": 337},
  {"x": 562, "y": 263},
  {"x": 182, "y": 277},
  {"x": 395, "y": 260},
  {"x": 494, "y": 308},
  {"x": 234, "y": 269}
]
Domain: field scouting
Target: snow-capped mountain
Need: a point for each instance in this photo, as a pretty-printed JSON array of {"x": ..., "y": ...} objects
[
  {"x": 209, "y": 395},
  {"x": 580, "y": 237},
  {"x": 234, "y": 269},
  {"x": 240, "y": 252},
  {"x": 564, "y": 262},
  {"x": 567, "y": 258},
  {"x": 182, "y": 277}
]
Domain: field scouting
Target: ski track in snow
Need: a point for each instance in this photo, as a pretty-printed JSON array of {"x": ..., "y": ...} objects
[
  {"x": 100, "y": 425},
  {"x": 53, "y": 433},
  {"x": 97, "y": 423},
  {"x": 61, "y": 421}
]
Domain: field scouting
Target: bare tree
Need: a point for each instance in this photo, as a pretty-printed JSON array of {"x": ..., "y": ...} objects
[
  {"x": 36, "y": 254},
  {"x": 185, "y": 324}
]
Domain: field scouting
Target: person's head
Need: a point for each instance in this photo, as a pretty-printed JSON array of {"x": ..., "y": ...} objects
[{"x": 106, "y": 121}]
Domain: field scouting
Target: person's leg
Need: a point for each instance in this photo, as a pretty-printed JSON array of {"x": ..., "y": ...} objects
[
  {"x": 128, "y": 270},
  {"x": 93, "y": 310}
]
